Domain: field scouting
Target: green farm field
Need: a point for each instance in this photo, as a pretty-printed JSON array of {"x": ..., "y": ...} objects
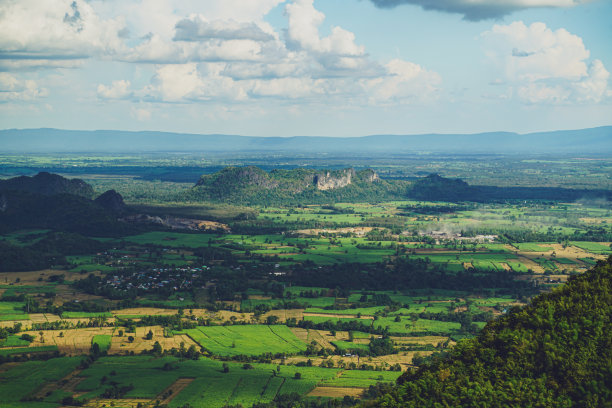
[
  {"x": 85, "y": 315},
  {"x": 251, "y": 340},
  {"x": 23, "y": 380},
  {"x": 12, "y": 311},
  {"x": 211, "y": 386},
  {"x": 103, "y": 341}
]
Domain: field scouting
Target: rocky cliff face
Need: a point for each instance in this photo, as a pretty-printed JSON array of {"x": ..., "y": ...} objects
[
  {"x": 330, "y": 181},
  {"x": 369, "y": 176}
]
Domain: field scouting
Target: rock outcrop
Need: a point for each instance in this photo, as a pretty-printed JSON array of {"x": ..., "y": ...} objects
[
  {"x": 331, "y": 180},
  {"x": 369, "y": 175}
]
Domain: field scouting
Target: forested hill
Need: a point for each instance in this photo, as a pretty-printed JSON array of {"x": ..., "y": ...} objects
[
  {"x": 556, "y": 352},
  {"x": 47, "y": 184},
  {"x": 253, "y": 186},
  {"x": 55, "y": 202},
  {"x": 436, "y": 188},
  {"x": 584, "y": 141}
]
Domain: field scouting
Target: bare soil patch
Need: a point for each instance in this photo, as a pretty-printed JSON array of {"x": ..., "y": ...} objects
[
  {"x": 173, "y": 390},
  {"x": 350, "y": 316},
  {"x": 70, "y": 342},
  {"x": 145, "y": 311},
  {"x": 122, "y": 345},
  {"x": 124, "y": 403},
  {"x": 336, "y": 392},
  {"x": 358, "y": 231}
]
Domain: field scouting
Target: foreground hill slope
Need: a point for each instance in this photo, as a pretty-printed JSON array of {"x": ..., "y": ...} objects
[{"x": 556, "y": 352}]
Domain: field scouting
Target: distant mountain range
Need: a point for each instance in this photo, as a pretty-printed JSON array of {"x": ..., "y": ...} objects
[{"x": 592, "y": 141}]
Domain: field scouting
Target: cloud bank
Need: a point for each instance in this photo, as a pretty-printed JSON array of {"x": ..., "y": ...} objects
[
  {"x": 545, "y": 66},
  {"x": 208, "y": 58},
  {"x": 476, "y": 10}
]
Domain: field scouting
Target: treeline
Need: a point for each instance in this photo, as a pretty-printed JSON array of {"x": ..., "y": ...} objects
[
  {"x": 437, "y": 188},
  {"x": 50, "y": 250},
  {"x": 402, "y": 273}
]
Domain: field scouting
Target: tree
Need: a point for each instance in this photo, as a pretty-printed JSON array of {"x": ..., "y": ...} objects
[
  {"x": 157, "y": 348},
  {"x": 95, "y": 349}
]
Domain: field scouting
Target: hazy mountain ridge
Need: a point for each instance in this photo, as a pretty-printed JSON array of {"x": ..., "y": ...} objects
[{"x": 594, "y": 141}]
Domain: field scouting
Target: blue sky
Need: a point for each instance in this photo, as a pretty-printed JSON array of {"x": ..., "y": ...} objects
[{"x": 304, "y": 67}]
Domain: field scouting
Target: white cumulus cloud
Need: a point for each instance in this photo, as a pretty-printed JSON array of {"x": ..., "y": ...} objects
[
  {"x": 15, "y": 89},
  {"x": 237, "y": 60},
  {"x": 403, "y": 81},
  {"x": 35, "y": 33},
  {"x": 545, "y": 66},
  {"x": 117, "y": 90}
]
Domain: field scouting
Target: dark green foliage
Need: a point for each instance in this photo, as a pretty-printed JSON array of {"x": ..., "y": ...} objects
[
  {"x": 111, "y": 200},
  {"x": 405, "y": 274},
  {"x": 47, "y": 184},
  {"x": 16, "y": 259},
  {"x": 556, "y": 352},
  {"x": 65, "y": 212},
  {"x": 436, "y": 188},
  {"x": 381, "y": 346},
  {"x": 66, "y": 243},
  {"x": 48, "y": 251}
]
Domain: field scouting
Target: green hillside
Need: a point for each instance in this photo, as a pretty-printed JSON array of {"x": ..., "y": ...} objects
[
  {"x": 556, "y": 352},
  {"x": 253, "y": 186}
]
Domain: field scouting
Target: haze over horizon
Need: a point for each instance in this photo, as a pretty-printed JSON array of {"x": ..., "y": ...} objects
[{"x": 306, "y": 67}]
